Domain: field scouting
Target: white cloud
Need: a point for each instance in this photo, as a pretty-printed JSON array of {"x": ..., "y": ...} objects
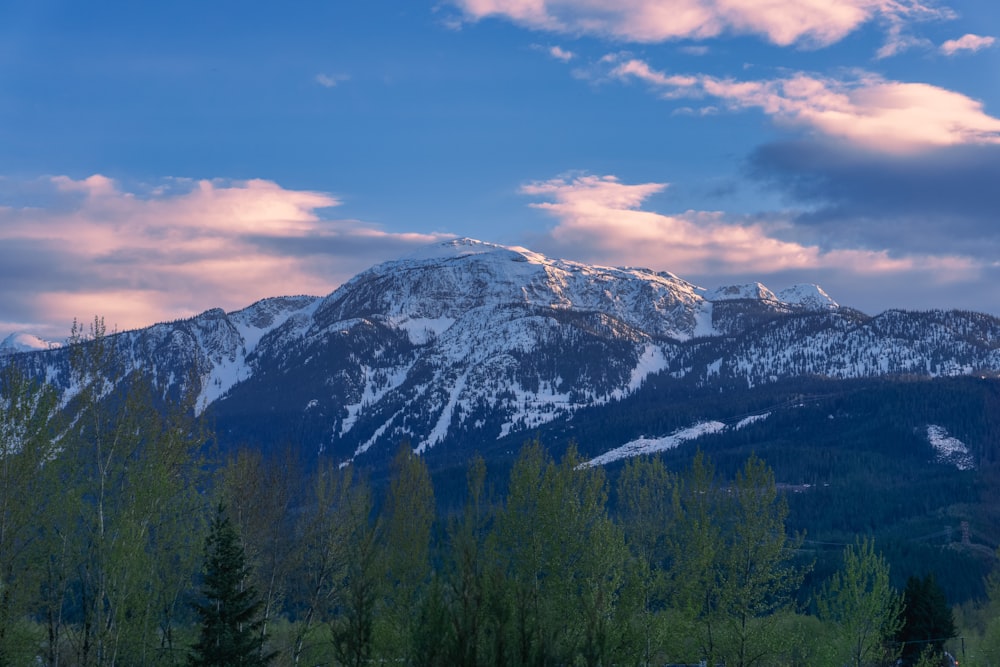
[
  {"x": 968, "y": 42},
  {"x": 782, "y": 22},
  {"x": 605, "y": 216},
  {"x": 331, "y": 80},
  {"x": 175, "y": 250},
  {"x": 559, "y": 53},
  {"x": 867, "y": 110}
]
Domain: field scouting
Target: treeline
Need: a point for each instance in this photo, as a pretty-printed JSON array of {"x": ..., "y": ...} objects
[{"x": 123, "y": 543}]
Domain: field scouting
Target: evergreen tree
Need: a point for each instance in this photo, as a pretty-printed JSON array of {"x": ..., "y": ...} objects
[
  {"x": 927, "y": 619},
  {"x": 229, "y": 635}
]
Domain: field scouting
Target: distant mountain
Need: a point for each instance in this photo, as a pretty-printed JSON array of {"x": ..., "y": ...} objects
[{"x": 24, "y": 342}]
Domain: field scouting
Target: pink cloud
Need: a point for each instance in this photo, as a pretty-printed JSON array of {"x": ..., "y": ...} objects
[
  {"x": 782, "y": 22},
  {"x": 562, "y": 54},
  {"x": 968, "y": 42},
  {"x": 868, "y": 110},
  {"x": 604, "y": 215},
  {"x": 140, "y": 258}
]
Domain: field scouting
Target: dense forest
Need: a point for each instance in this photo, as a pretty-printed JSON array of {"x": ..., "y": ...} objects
[{"x": 126, "y": 538}]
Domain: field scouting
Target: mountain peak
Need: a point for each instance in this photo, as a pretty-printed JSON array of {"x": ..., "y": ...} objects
[
  {"x": 809, "y": 296},
  {"x": 24, "y": 342},
  {"x": 458, "y": 247},
  {"x": 755, "y": 291}
]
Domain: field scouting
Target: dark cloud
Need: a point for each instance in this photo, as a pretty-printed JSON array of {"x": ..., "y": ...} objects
[{"x": 944, "y": 201}]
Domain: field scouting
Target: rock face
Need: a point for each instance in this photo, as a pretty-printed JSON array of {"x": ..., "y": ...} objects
[{"x": 468, "y": 341}]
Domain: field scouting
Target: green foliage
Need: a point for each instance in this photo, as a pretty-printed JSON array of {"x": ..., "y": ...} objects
[
  {"x": 408, "y": 518},
  {"x": 862, "y": 603},
  {"x": 229, "y": 612},
  {"x": 565, "y": 560},
  {"x": 356, "y": 582}
]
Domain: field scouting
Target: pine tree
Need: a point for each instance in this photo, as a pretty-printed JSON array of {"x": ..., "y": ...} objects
[{"x": 230, "y": 626}]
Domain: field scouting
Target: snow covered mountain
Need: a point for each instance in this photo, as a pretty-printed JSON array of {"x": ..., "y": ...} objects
[
  {"x": 468, "y": 342},
  {"x": 24, "y": 342}
]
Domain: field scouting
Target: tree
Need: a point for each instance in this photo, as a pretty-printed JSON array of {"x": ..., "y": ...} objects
[
  {"x": 756, "y": 577},
  {"x": 260, "y": 494},
  {"x": 927, "y": 619},
  {"x": 408, "y": 518},
  {"x": 357, "y": 583},
  {"x": 566, "y": 561},
  {"x": 863, "y": 604},
  {"x": 645, "y": 494},
  {"x": 27, "y": 447},
  {"x": 695, "y": 547},
  {"x": 229, "y": 633},
  {"x": 466, "y": 575}
]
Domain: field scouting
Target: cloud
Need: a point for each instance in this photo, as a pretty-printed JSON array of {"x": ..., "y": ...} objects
[
  {"x": 813, "y": 23},
  {"x": 865, "y": 110},
  {"x": 945, "y": 202},
  {"x": 559, "y": 53},
  {"x": 173, "y": 250},
  {"x": 968, "y": 42},
  {"x": 605, "y": 216},
  {"x": 331, "y": 80}
]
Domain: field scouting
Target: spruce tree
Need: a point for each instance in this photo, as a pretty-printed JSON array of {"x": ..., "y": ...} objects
[{"x": 230, "y": 627}]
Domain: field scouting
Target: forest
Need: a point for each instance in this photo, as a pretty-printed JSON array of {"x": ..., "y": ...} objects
[{"x": 126, "y": 538}]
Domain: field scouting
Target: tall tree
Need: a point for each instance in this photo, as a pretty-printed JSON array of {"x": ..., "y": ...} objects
[
  {"x": 645, "y": 504},
  {"x": 928, "y": 621},
  {"x": 357, "y": 584},
  {"x": 229, "y": 634},
  {"x": 566, "y": 561},
  {"x": 260, "y": 494},
  {"x": 863, "y": 604},
  {"x": 758, "y": 578},
  {"x": 409, "y": 515},
  {"x": 695, "y": 547},
  {"x": 466, "y": 575}
]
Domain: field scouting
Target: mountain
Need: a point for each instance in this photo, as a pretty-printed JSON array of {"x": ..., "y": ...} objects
[
  {"x": 466, "y": 342},
  {"x": 24, "y": 342}
]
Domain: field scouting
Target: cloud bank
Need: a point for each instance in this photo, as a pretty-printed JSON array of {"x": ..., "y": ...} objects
[
  {"x": 173, "y": 250},
  {"x": 810, "y": 23},
  {"x": 865, "y": 110},
  {"x": 600, "y": 218}
]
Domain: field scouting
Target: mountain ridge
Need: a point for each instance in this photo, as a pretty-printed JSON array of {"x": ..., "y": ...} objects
[{"x": 466, "y": 341}]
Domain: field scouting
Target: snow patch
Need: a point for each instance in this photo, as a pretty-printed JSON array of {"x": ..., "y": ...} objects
[
  {"x": 422, "y": 329},
  {"x": 444, "y": 420},
  {"x": 652, "y": 445},
  {"x": 650, "y": 361},
  {"x": 950, "y": 450},
  {"x": 752, "y": 419},
  {"x": 703, "y": 321}
]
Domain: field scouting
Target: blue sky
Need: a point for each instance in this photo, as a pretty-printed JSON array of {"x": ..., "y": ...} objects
[{"x": 160, "y": 159}]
